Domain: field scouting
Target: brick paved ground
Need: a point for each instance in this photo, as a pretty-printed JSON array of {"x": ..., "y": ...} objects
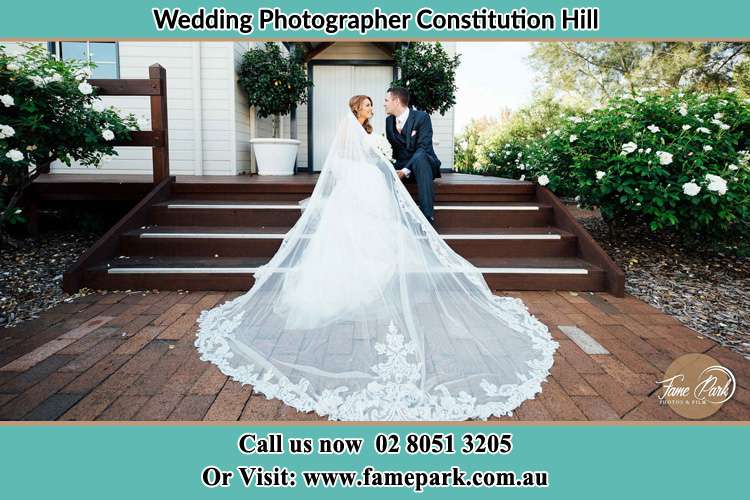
[{"x": 124, "y": 356}]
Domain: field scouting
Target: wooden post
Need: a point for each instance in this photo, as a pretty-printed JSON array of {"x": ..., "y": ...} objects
[{"x": 159, "y": 123}]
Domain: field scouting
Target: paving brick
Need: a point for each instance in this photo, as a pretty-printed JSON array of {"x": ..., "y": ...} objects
[
  {"x": 158, "y": 407},
  {"x": 629, "y": 357},
  {"x": 192, "y": 407},
  {"x": 651, "y": 409},
  {"x": 570, "y": 380},
  {"x": 135, "y": 343},
  {"x": 595, "y": 408},
  {"x": 185, "y": 326},
  {"x": 532, "y": 409},
  {"x": 172, "y": 314},
  {"x": 637, "y": 384},
  {"x": 578, "y": 359},
  {"x": 86, "y": 360},
  {"x": 157, "y": 373},
  {"x": 230, "y": 402},
  {"x": 24, "y": 380},
  {"x": 88, "y": 380},
  {"x": 29, "y": 399},
  {"x": 612, "y": 391},
  {"x": 123, "y": 408},
  {"x": 258, "y": 408},
  {"x": 88, "y": 408},
  {"x": 558, "y": 403},
  {"x": 53, "y": 407},
  {"x": 210, "y": 382}
]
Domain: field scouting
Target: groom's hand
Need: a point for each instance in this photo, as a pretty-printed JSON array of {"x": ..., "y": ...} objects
[{"x": 401, "y": 174}]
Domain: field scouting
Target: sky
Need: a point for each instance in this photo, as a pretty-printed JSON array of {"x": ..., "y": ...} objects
[{"x": 491, "y": 76}]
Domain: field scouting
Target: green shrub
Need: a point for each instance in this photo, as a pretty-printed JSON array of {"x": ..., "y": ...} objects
[
  {"x": 675, "y": 162},
  {"x": 49, "y": 111}
]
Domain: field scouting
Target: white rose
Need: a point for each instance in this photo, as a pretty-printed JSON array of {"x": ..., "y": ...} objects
[
  {"x": 691, "y": 188},
  {"x": 648, "y": 150},
  {"x": 703, "y": 130},
  {"x": 629, "y": 147},
  {"x": 664, "y": 157},
  {"x": 522, "y": 178},
  {"x": 707, "y": 148},
  {"x": 108, "y": 134},
  {"x": 7, "y": 100},
  {"x": 653, "y": 128},
  {"x": 640, "y": 99},
  {"x": 98, "y": 106},
  {"x": 733, "y": 167},
  {"x": 600, "y": 175},
  {"x": 85, "y": 88},
  {"x": 6, "y": 131},
  {"x": 731, "y": 90},
  {"x": 576, "y": 119},
  {"x": 13, "y": 66},
  {"x": 716, "y": 183},
  {"x": 14, "y": 155},
  {"x": 683, "y": 109},
  {"x": 543, "y": 180},
  {"x": 573, "y": 138}
]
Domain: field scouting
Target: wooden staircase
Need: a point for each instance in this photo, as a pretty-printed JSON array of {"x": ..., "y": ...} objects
[{"x": 213, "y": 235}]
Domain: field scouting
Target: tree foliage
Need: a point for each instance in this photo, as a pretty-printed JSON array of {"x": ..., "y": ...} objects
[
  {"x": 598, "y": 71},
  {"x": 429, "y": 73}
]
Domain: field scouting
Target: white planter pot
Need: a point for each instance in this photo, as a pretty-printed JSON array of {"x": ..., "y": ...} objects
[{"x": 275, "y": 156}]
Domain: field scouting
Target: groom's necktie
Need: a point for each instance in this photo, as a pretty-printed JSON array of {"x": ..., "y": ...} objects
[{"x": 399, "y": 125}]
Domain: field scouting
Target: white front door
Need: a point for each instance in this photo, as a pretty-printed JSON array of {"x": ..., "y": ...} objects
[{"x": 334, "y": 85}]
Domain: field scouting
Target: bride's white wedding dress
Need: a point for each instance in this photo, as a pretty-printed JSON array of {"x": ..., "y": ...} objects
[{"x": 365, "y": 313}]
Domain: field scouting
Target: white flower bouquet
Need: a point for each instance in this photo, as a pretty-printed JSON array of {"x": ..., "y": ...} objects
[{"x": 383, "y": 146}]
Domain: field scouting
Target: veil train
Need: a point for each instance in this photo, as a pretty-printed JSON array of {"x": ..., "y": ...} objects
[{"x": 365, "y": 313}]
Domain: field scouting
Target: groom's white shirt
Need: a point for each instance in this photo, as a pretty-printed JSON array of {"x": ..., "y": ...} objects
[{"x": 400, "y": 122}]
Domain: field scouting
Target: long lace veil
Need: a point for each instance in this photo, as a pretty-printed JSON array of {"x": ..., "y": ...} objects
[{"x": 365, "y": 313}]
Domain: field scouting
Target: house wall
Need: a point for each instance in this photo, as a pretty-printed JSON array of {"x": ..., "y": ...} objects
[{"x": 442, "y": 125}]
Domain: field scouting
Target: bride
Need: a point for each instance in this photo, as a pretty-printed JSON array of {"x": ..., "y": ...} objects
[{"x": 365, "y": 313}]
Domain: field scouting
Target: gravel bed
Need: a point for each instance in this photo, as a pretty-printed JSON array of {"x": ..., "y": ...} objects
[{"x": 708, "y": 291}]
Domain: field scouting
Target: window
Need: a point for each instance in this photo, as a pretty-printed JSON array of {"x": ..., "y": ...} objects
[{"x": 103, "y": 54}]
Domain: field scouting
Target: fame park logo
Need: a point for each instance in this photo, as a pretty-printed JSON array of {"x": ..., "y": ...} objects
[{"x": 696, "y": 385}]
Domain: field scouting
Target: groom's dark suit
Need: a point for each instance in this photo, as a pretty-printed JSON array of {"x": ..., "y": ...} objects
[{"x": 412, "y": 149}]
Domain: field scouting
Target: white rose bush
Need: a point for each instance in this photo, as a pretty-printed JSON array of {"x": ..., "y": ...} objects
[
  {"x": 675, "y": 162},
  {"x": 49, "y": 111}
]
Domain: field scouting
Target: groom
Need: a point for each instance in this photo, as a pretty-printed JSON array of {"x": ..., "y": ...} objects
[{"x": 410, "y": 133}]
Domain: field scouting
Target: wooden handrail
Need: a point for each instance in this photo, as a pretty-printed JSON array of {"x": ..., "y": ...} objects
[
  {"x": 107, "y": 245},
  {"x": 587, "y": 247},
  {"x": 155, "y": 86}
]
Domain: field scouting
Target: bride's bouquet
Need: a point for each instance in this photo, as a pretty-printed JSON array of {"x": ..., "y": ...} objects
[{"x": 383, "y": 146}]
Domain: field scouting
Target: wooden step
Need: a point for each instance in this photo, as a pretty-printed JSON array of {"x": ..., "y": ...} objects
[
  {"x": 226, "y": 273},
  {"x": 452, "y": 187},
  {"x": 283, "y": 214},
  {"x": 207, "y": 241}
]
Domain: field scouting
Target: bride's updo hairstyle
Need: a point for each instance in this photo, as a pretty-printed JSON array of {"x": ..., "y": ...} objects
[{"x": 354, "y": 104}]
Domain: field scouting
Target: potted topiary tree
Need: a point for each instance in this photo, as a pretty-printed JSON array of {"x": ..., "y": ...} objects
[{"x": 275, "y": 85}]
